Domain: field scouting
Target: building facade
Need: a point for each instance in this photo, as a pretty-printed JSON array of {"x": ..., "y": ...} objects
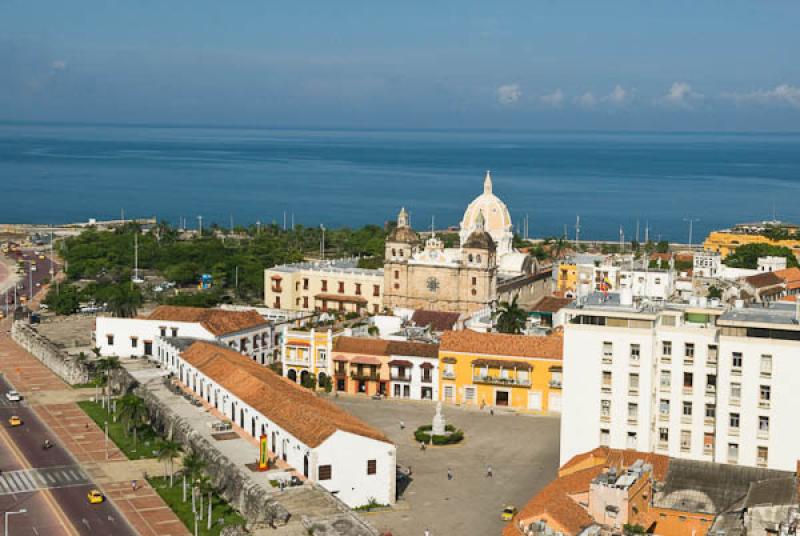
[
  {"x": 498, "y": 370},
  {"x": 244, "y": 331},
  {"x": 336, "y": 285},
  {"x": 307, "y": 353},
  {"x": 689, "y": 381}
]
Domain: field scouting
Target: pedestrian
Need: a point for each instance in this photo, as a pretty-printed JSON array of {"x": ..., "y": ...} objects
[
  {"x": 409, "y": 471},
  {"x": 449, "y": 474},
  {"x": 491, "y": 412},
  {"x": 422, "y": 446},
  {"x": 427, "y": 532},
  {"x": 133, "y": 485},
  {"x": 402, "y": 425},
  {"x": 489, "y": 471}
]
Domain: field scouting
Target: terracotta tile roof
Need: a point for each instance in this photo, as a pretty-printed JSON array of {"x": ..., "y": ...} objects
[
  {"x": 372, "y": 346},
  {"x": 551, "y": 304},
  {"x": 365, "y": 360},
  {"x": 791, "y": 276},
  {"x": 767, "y": 279},
  {"x": 217, "y": 321},
  {"x": 554, "y": 499},
  {"x": 550, "y": 346},
  {"x": 294, "y": 408},
  {"x": 341, "y": 298},
  {"x": 438, "y": 320}
]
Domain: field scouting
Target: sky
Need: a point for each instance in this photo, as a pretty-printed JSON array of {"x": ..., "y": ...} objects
[{"x": 616, "y": 64}]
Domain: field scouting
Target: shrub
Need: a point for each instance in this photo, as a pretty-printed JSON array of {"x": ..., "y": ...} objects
[{"x": 423, "y": 435}]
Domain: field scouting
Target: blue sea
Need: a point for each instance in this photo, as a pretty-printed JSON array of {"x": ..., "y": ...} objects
[{"x": 65, "y": 173}]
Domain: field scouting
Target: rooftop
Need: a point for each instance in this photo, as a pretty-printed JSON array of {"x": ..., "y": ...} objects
[
  {"x": 502, "y": 344},
  {"x": 551, "y": 304},
  {"x": 217, "y": 321},
  {"x": 384, "y": 347},
  {"x": 297, "y": 410},
  {"x": 349, "y": 265},
  {"x": 781, "y": 313},
  {"x": 438, "y": 320}
]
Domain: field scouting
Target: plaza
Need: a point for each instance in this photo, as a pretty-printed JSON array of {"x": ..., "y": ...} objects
[{"x": 521, "y": 449}]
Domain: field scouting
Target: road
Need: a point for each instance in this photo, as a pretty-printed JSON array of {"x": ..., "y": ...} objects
[{"x": 49, "y": 483}]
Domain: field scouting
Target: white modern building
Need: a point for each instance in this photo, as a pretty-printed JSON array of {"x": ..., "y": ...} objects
[
  {"x": 338, "y": 451},
  {"x": 245, "y": 331},
  {"x": 696, "y": 381},
  {"x": 414, "y": 370}
]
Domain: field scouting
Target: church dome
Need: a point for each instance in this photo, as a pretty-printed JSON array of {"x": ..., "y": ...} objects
[
  {"x": 480, "y": 240},
  {"x": 495, "y": 213},
  {"x": 403, "y": 232}
]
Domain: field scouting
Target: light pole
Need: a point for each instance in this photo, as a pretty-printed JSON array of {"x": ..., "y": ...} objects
[
  {"x": 322, "y": 242},
  {"x": 691, "y": 223},
  {"x": 5, "y": 524},
  {"x": 200, "y": 225},
  {"x": 106, "y": 438}
]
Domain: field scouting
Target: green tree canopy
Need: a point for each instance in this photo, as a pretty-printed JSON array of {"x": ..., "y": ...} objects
[
  {"x": 510, "y": 317},
  {"x": 746, "y": 256}
]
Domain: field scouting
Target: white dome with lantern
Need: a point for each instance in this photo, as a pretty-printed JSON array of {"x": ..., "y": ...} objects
[{"x": 497, "y": 219}]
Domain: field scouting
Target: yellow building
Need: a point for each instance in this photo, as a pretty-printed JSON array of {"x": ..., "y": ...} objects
[
  {"x": 305, "y": 353},
  {"x": 499, "y": 370},
  {"x": 726, "y": 242},
  {"x": 567, "y": 277}
]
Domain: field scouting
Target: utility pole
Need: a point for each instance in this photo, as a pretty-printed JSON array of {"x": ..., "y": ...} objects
[
  {"x": 637, "y": 230},
  {"x": 577, "y": 229},
  {"x": 200, "y": 224},
  {"x": 647, "y": 232},
  {"x": 621, "y": 240},
  {"x": 284, "y": 220},
  {"x": 106, "y": 436},
  {"x": 322, "y": 243},
  {"x": 292, "y": 221},
  {"x": 258, "y": 227},
  {"x": 691, "y": 223}
]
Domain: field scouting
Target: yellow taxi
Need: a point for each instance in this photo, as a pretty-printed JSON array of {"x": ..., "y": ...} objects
[
  {"x": 95, "y": 496},
  {"x": 508, "y": 513},
  {"x": 14, "y": 420},
  {"x": 41, "y": 257}
]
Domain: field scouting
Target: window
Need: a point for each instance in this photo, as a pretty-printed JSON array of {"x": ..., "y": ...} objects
[
  {"x": 712, "y": 353},
  {"x": 736, "y": 391},
  {"x": 663, "y": 407},
  {"x": 688, "y": 350},
  {"x": 686, "y": 440},
  {"x": 635, "y": 352},
  {"x": 134, "y": 342},
  {"x": 736, "y": 361},
  {"x": 733, "y": 420},
  {"x": 663, "y": 435},
  {"x": 733, "y": 452},
  {"x": 163, "y": 331},
  {"x": 322, "y": 355},
  {"x": 766, "y": 365},
  {"x": 604, "y": 437},
  {"x": 372, "y": 467},
  {"x": 376, "y": 290},
  {"x": 666, "y": 348},
  {"x": 764, "y": 394},
  {"x": 324, "y": 472},
  {"x": 324, "y": 285},
  {"x": 110, "y": 340},
  {"x": 665, "y": 381},
  {"x": 631, "y": 440},
  {"x": 358, "y": 289},
  {"x": 762, "y": 456},
  {"x": 711, "y": 382},
  {"x": 478, "y": 258},
  {"x": 305, "y": 283},
  {"x": 605, "y": 408},
  {"x": 607, "y": 349},
  {"x": 688, "y": 380},
  {"x": 606, "y": 378},
  {"x": 474, "y": 281},
  {"x": 711, "y": 411},
  {"x": 633, "y": 382},
  {"x": 175, "y": 331},
  {"x": 305, "y": 302},
  {"x": 687, "y": 409},
  {"x": 763, "y": 423},
  {"x": 708, "y": 442},
  {"x": 633, "y": 411},
  {"x": 397, "y": 274}
]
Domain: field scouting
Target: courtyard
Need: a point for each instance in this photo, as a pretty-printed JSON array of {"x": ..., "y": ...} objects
[{"x": 521, "y": 449}]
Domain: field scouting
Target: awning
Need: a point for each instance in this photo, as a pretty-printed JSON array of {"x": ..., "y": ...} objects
[
  {"x": 426, "y": 365},
  {"x": 449, "y": 360},
  {"x": 297, "y": 343},
  {"x": 276, "y": 277},
  {"x": 340, "y": 358},
  {"x": 498, "y": 363},
  {"x": 341, "y": 298},
  {"x": 401, "y": 363},
  {"x": 365, "y": 360}
]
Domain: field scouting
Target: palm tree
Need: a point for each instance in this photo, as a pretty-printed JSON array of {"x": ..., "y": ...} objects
[
  {"x": 133, "y": 414},
  {"x": 510, "y": 317},
  {"x": 168, "y": 451},
  {"x": 124, "y": 301},
  {"x": 107, "y": 366},
  {"x": 192, "y": 465}
]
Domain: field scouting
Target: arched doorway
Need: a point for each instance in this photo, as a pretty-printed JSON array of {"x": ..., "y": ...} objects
[
  {"x": 322, "y": 379},
  {"x": 241, "y": 418},
  {"x": 233, "y": 411},
  {"x": 304, "y": 378},
  {"x": 292, "y": 375},
  {"x": 305, "y": 466},
  {"x": 253, "y": 426}
]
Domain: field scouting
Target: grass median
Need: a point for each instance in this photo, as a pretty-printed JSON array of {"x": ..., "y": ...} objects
[
  {"x": 222, "y": 514},
  {"x": 146, "y": 439}
]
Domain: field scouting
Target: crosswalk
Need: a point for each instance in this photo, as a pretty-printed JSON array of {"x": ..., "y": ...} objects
[{"x": 28, "y": 480}]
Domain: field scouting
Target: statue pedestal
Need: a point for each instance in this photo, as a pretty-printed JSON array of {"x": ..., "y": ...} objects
[{"x": 439, "y": 423}]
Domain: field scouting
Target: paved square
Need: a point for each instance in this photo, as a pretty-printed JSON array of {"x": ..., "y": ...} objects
[{"x": 522, "y": 450}]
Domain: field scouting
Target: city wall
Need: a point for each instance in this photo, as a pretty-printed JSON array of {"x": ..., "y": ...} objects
[{"x": 60, "y": 362}]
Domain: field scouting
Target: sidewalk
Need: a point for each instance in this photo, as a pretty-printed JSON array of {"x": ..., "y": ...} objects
[{"x": 79, "y": 434}]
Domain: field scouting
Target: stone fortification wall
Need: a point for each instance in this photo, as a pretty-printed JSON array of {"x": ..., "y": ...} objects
[{"x": 62, "y": 364}]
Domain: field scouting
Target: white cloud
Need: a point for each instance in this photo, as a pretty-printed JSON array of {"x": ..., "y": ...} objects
[
  {"x": 554, "y": 99},
  {"x": 618, "y": 95},
  {"x": 781, "y": 94},
  {"x": 680, "y": 95},
  {"x": 587, "y": 100},
  {"x": 509, "y": 93},
  {"x": 58, "y": 65}
]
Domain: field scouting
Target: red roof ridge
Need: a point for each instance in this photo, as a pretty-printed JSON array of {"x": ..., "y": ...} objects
[
  {"x": 217, "y": 321},
  {"x": 504, "y": 344}
]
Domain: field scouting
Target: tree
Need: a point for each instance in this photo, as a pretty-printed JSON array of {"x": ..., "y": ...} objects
[
  {"x": 133, "y": 414},
  {"x": 124, "y": 301},
  {"x": 662, "y": 246},
  {"x": 63, "y": 301},
  {"x": 107, "y": 366},
  {"x": 714, "y": 292},
  {"x": 192, "y": 465},
  {"x": 746, "y": 256},
  {"x": 167, "y": 452},
  {"x": 510, "y": 318}
]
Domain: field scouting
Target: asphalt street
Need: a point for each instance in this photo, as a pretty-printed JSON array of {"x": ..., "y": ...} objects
[{"x": 47, "y": 482}]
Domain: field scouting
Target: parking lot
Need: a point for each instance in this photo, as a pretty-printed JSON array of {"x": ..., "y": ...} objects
[{"x": 522, "y": 450}]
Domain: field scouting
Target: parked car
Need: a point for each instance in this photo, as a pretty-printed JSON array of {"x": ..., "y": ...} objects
[
  {"x": 95, "y": 496},
  {"x": 14, "y": 420},
  {"x": 13, "y": 396}
]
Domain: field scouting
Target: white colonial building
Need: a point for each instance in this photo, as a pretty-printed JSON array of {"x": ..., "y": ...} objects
[
  {"x": 338, "y": 451},
  {"x": 245, "y": 331},
  {"x": 700, "y": 381}
]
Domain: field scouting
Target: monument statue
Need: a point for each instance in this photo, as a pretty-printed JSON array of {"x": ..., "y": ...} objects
[{"x": 438, "y": 421}]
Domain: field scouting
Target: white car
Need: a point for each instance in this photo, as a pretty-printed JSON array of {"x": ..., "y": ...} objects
[{"x": 13, "y": 396}]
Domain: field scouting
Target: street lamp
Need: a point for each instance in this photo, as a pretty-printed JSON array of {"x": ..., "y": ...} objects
[{"x": 5, "y": 524}]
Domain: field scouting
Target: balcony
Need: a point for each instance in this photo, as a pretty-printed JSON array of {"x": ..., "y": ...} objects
[
  {"x": 289, "y": 360},
  {"x": 761, "y": 462},
  {"x": 708, "y": 421},
  {"x": 323, "y": 364},
  {"x": 664, "y": 388},
  {"x": 708, "y": 450},
  {"x": 605, "y": 418},
  {"x": 426, "y": 379},
  {"x": 733, "y": 431},
  {"x": 763, "y": 434},
  {"x": 711, "y": 363},
  {"x": 340, "y": 372},
  {"x": 734, "y": 402},
  {"x": 497, "y": 380},
  {"x": 763, "y": 404},
  {"x": 367, "y": 376},
  {"x": 687, "y": 390},
  {"x": 448, "y": 375},
  {"x": 633, "y": 391},
  {"x": 689, "y": 361},
  {"x": 633, "y": 420},
  {"x": 664, "y": 417},
  {"x": 607, "y": 360},
  {"x": 666, "y": 359},
  {"x": 634, "y": 363},
  {"x": 766, "y": 374},
  {"x": 555, "y": 384},
  {"x": 400, "y": 377},
  {"x": 662, "y": 445},
  {"x": 711, "y": 391},
  {"x": 736, "y": 372},
  {"x": 686, "y": 419}
]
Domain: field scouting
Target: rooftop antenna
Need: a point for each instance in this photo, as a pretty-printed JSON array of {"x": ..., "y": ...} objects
[{"x": 691, "y": 223}]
